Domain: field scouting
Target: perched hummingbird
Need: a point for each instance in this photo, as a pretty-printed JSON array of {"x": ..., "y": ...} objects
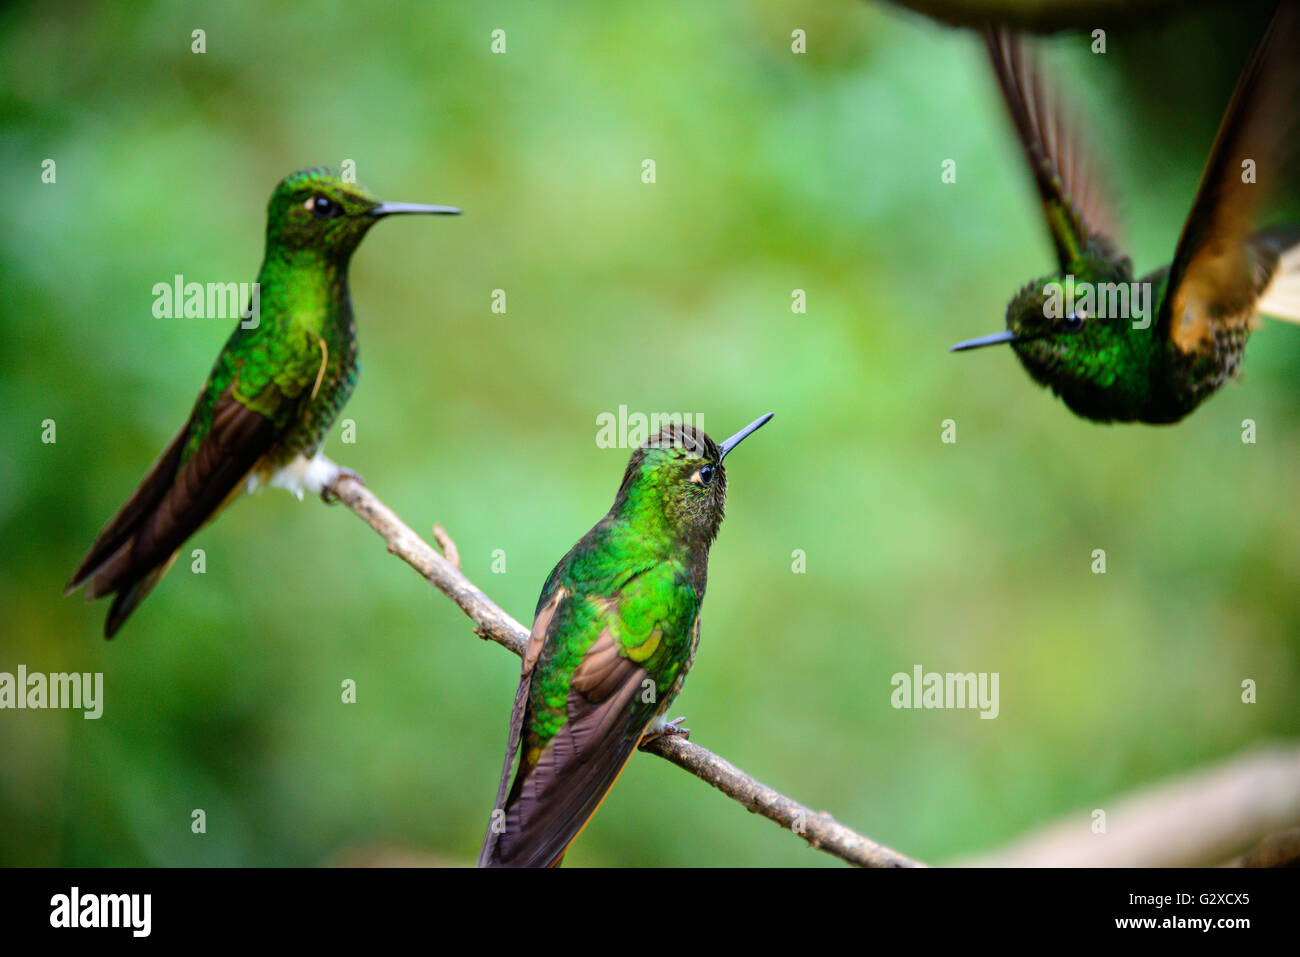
[
  {"x": 1111, "y": 366},
  {"x": 614, "y": 634},
  {"x": 273, "y": 393}
]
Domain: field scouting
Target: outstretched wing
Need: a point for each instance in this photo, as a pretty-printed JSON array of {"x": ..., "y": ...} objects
[
  {"x": 561, "y": 782},
  {"x": 1220, "y": 269},
  {"x": 1073, "y": 203}
]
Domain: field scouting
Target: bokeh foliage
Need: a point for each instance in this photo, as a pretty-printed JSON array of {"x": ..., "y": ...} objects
[{"x": 774, "y": 172}]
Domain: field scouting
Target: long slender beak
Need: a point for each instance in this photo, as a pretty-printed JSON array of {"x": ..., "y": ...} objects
[
  {"x": 392, "y": 209},
  {"x": 740, "y": 436},
  {"x": 994, "y": 339}
]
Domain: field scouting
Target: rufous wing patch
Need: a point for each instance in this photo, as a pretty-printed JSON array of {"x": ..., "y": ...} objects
[{"x": 541, "y": 624}]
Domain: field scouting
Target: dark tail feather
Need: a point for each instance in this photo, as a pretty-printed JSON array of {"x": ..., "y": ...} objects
[
  {"x": 107, "y": 567},
  {"x": 171, "y": 504},
  {"x": 112, "y": 545},
  {"x": 128, "y": 598}
]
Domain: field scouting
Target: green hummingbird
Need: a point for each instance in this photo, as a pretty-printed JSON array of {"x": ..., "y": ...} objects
[
  {"x": 1152, "y": 350},
  {"x": 275, "y": 389},
  {"x": 614, "y": 634}
]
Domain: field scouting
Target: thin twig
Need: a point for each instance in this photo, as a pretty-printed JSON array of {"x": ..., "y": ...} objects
[
  {"x": 819, "y": 829},
  {"x": 449, "y": 550}
]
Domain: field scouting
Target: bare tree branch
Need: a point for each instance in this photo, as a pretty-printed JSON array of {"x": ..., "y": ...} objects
[
  {"x": 819, "y": 829},
  {"x": 1195, "y": 819},
  {"x": 1276, "y": 850}
]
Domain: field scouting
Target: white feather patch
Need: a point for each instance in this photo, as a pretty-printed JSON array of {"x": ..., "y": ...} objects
[
  {"x": 1281, "y": 299},
  {"x": 300, "y": 475}
]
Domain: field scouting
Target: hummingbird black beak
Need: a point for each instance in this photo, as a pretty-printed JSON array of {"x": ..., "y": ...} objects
[
  {"x": 740, "y": 436},
  {"x": 994, "y": 339},
  {"x": 392, "y": 209}
]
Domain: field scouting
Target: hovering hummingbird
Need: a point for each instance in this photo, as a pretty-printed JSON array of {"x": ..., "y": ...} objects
[
  {"x": 272, "y": 395},
  {"x": 1073, "y": 331},
  {"x": 614, "y": 634}
]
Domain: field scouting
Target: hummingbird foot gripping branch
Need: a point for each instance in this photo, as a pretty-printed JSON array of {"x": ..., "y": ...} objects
[
  {"x": 661, "y": 727},
  {"x": 276, "y": 388},
  {"x": 323, "y": 474}
]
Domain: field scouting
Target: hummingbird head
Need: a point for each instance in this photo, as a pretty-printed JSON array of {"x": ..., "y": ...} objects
[
  {"x": 317, "y": 209},
  {"x": 675, "y": 481},
  {"x": 1071, "y": 335}
]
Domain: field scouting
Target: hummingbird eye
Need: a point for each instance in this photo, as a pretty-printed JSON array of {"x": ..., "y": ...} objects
[
  {"x": 703, "y": 475},
  {"x": 1074, "y": 322},
  {"x": 322, "y": 207}
]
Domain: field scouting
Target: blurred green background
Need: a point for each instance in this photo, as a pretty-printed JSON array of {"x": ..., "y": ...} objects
[{"x": 775, "y": 172}]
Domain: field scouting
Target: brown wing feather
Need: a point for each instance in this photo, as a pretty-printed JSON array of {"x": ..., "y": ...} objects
[
  {"x": 554, "y": 796},
  {"x": 122, "y": 526},
  {"x": 536, "y": 641},
  {"x": 1075, "y": 208},
  {"x": 131, "y": 554},
  {"x": 1218, "y": 272}
]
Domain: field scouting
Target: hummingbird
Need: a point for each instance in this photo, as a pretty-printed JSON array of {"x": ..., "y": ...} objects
[
  {"x": 272, "y": 395},
  {"x": 1156, "y": 363},
  {"x": 615, "y": 632}
]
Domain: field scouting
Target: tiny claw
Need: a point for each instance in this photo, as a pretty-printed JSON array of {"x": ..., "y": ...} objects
[
  {"x": 674, "y": 728},
  {"x": 328, "y": 495},
  {"x": 666, "y": 729}
]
